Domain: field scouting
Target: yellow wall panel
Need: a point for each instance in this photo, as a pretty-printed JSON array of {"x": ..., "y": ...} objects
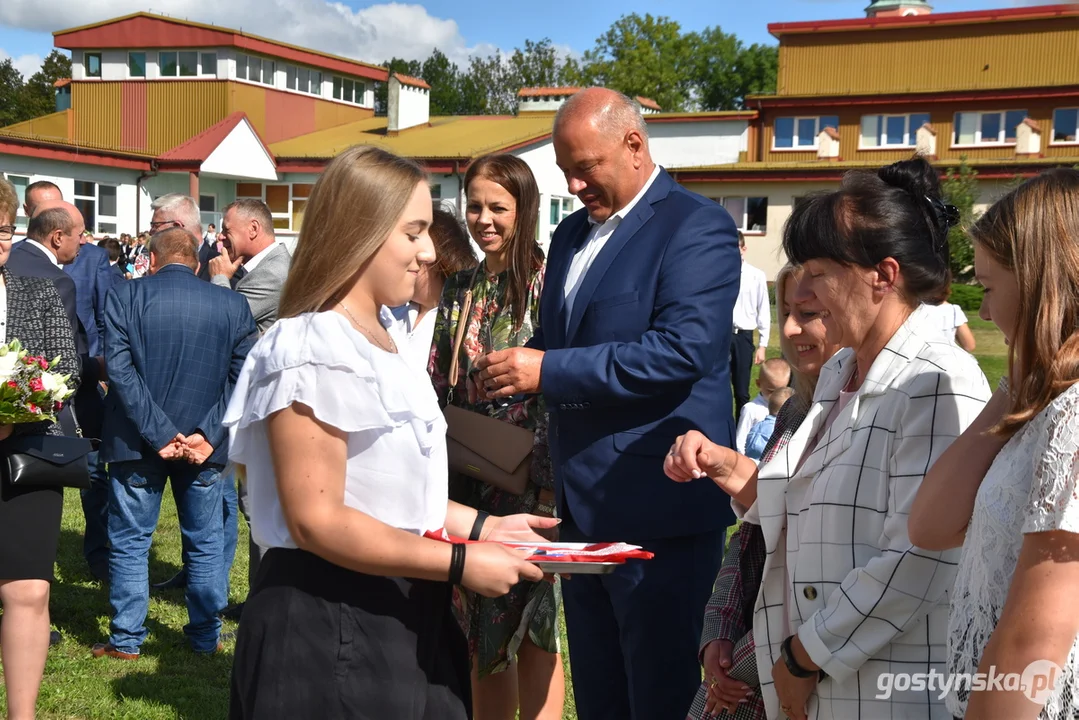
[
  {"x": 250, "y": 99},
  {"x": 937, "y": 59},
  {"x": 331, "y": 114},
  {"x": 97, "y": 122},
  {"x": 176, "y": 111}
]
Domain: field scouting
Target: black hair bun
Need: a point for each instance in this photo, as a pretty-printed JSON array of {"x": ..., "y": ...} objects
[{"x": 916, "y": 176}]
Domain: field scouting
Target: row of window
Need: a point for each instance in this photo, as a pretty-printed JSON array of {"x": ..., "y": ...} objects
[
  {"x": 996, "y": 127},
  {"x": 192, "y": 63},
  {"x": 95, "y": 201}
]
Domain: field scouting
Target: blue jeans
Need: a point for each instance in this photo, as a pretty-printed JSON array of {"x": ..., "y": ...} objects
[
  {"x": 95, "y": 508},
  {"x": 232, "y": 527},
  {"x": 134, "y": 505}
]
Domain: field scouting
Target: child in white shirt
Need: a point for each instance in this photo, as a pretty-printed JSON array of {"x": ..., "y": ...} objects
[{"x": 775, "y": 373}]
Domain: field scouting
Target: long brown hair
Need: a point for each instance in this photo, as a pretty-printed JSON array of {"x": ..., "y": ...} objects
[
  {"x": 353, "y": 207},
  {"x": 1033, "y": 231},
  {"x": 804, "y": 385},
  {"x": 525, "y": 255}
]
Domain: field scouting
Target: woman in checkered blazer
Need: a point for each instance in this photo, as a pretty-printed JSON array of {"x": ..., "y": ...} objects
[{"x": 846, "y": 601}]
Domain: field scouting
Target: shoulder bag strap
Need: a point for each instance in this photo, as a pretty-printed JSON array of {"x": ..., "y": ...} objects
[{"x": 459, "y": 336}]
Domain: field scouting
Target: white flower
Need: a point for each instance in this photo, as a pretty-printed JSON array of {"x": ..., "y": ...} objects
[
  {"x": 56, "y": 386},
  {"x": 7, "y": 365}
]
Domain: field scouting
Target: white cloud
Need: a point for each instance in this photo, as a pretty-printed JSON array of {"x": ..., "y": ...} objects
[
  {"x": 27, "y": 64},
  {"x": 373, "y": 34}
]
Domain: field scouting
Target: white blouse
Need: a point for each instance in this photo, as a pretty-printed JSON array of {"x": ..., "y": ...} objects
[
  {"x": 397, "y": 466},
  {"x": 1029, "y": 488}
]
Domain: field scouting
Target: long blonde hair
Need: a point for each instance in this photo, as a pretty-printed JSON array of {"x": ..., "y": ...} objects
[
  {"x": 353, "y": 207},
  {"x": 804, "y": 385},
  {"x": 1033, "y": 231}
]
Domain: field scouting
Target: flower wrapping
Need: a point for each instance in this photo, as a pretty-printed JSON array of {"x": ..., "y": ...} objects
[{"x": 29, "y": 391}]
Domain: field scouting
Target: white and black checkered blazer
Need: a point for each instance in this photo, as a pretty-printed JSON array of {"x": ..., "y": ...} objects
[{"x": 863, "y": 600}]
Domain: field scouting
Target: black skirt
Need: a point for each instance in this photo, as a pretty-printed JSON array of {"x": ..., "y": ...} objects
[
  {"x": 29, "y": 531},
  {"x": 319, "y": 641}
]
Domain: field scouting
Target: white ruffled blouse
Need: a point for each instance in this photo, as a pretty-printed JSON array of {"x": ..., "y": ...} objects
[{"x": 397, "y": 467}]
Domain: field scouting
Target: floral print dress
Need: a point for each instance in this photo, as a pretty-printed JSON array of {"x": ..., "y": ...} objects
[{"x": 496, "y": 627}]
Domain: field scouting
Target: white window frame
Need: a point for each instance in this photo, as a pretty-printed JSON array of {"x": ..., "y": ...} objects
[
  {"x": 145, "y": 64},
  {"x": 1002, "y": 135},
  {"x": 743, "y": 221},
  {"x": 247, "y": 57},
  {"x": 910, "y": 134},
  {"x": 795, "y": 147},
  {"x": 202, "y": 67},
  {"x": 21, "y": 221},
  {"x": 1074, "y": 130},
  {"x": 291, "y": 202},
  {"x": 357, "y": 98},
  {"x": 564, "y": 202},
  {"x": 96, "y": 198},
  {"x": 313, "y": 87}
]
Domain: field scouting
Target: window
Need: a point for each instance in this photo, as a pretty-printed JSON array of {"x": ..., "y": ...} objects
[
  {"x": 350, "y": 91},
  {"x": 209, "y": 64},
  {"x": 300, "y": 193},
  {"x": 255, "y": 69},
  {"x": 287, "y": 203},
  {"x": 801, "y": 132},
  {"x": 97, "y": 203},
  {"x": 166, "y": 62},
  {"x": 987, "y": 128},
  {"x": 561, "y": 208},
  {"x": 93, "y": 65},
  {"x": 1066, "y": 125},
  {"x": 891, "y": 130},
  {"x": 136, "y": 64},
  {"x": 189, "y": 63},
  {"x": 750, "y": 213},
  {"x": 303, "y": 79},
  {"x": 20, "y": 182},
  {"x": 436, "y": 191}
]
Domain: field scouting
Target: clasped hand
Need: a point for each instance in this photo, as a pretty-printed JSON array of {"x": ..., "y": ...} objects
[
  {"x": 195, "y": 449},
  {"x": 693, "y": 456}
]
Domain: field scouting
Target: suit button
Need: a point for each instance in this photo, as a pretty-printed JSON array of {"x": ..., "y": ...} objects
[{"x": 810, "y": 592}]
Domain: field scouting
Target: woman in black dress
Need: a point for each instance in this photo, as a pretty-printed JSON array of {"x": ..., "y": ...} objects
[{"x": 30, "y": 310}]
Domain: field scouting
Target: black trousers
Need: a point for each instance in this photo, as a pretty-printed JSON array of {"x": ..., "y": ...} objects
[
  {"x": 319, "y": 641},
  {"x": 741, "y": 367}
]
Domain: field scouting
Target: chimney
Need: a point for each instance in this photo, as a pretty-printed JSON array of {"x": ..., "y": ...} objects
[
  {"x": 648, "y": 106},
  {"x": 409, "y": 103},
  {"x": 926, "y": 141},
  {"x": 898, "y": 8},
  {"x": 828, "y": 144},
  {"x": 543, "y": 99},
  {"x": 1028, "y": 138}
]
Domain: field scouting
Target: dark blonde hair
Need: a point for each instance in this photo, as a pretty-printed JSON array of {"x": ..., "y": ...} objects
[
  {"x": 1033, "y": 231},
  {"x": 353, "y": 208},
  {"x": 804, "y": 385},
  {"x": 9, "y": 201}
]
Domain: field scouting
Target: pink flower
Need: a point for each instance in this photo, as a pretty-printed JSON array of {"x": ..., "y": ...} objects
[
  {"x": 43, "y": 363},
  {"x": 36, "y": 385},
  {"x": 34, "y": 409},
  {"x": 13, "y": 385}
]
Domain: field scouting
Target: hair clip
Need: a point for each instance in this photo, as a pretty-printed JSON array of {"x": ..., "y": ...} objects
[{"x": 947, "y": 215}]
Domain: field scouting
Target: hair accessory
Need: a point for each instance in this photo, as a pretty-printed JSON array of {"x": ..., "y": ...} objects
[{"x": 946, "y": 217}]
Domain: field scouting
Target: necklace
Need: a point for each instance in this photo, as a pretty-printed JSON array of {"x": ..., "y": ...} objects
[{"x": 393, "y": 345}]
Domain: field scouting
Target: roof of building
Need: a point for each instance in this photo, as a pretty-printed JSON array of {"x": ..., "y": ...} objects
[
  {"x": 648, "y": 103},
  {"x": 53, "y": 129},
  {"x": 442, "y": 138},
  {"x": 974, "y": 17},
  {"x": 543, "y": 91},
  {"x": 819, "y": 169},
  {"x": 198, "y": 148},
  {"x": 160, "y": 31},
  {"x": 62, "y": 82},
  {"x": 409, "y": 80}
]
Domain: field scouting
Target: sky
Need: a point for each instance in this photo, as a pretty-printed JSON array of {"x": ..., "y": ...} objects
[{"x": 375, "y": 32}]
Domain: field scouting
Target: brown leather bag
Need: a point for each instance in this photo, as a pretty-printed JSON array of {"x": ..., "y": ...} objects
[{"x": 479, "y": 446}]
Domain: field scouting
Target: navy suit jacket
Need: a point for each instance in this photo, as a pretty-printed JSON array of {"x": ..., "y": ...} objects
[
  {"x": 207, "y": 252},
  {"x": 174, "y": 347},
  {"x": 93, "y": 277},
  {"x": 642, "y": 359}
]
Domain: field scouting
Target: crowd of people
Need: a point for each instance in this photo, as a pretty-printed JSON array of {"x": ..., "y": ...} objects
[{"x": 898, "y": 516}]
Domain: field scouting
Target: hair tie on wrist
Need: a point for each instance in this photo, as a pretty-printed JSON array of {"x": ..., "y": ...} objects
[
  {"x": 477, "y": 526},
  {"x": 457, "y": 563}
]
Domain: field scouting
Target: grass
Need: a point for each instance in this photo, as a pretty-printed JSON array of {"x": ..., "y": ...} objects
[{"x": 169, "y": 682}]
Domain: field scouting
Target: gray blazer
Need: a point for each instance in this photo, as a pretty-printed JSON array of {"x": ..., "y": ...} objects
[{"x": 262, "y": 286}]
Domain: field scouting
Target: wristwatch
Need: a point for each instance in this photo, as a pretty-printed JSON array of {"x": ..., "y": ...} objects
[{"x": 793, "y": 667}]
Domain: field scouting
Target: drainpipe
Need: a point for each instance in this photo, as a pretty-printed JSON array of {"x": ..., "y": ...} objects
[
  {"x": 138, "y": 194},
  {"x": 460, "y": 189}
]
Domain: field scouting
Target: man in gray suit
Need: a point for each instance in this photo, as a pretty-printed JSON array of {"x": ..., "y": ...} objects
[{"x": 256, "y": 266}]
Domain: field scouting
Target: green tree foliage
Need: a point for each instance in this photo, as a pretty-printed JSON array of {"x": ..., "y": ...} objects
[
  {"x": 960, "y": 188},
  {"x": 725, "y": 71},
  {"x": 411, "y": 68},
  {"x": 39, "y": 93},
  {"x": 11, "y": 94}
]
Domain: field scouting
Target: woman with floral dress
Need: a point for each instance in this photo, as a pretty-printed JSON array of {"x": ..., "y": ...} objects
[{"x": 513, "y": 640}]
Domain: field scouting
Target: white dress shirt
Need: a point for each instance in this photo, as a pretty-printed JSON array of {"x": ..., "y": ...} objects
[
  {"x": 251, "y": 264},
  {"x": 597, "y": 238},
  {"x": 49, "y": 253},
  {"x": 752, "y": 413},
  {"x": 751, "y": 309}
]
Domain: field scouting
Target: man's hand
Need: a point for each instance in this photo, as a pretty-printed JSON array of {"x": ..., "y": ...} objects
[
  {"x": 510, "y": 372},
  {"x": 221, "y": 265},
  {"x": 760, "y": 356},
  {"x": 175, "y": 450},
  {"x": 198, "y": 450}
]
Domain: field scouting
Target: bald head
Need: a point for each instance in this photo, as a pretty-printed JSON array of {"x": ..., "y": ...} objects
[
  {"x": 38, "y": 194},
  {"x": 601, "y": 146},
  {"x": 57, "y": 225}
]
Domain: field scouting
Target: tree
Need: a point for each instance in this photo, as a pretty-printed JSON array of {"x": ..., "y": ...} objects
[
  {"x": 726, "y": 71},
  {"x": 960, "y": 188},
  {"x": 39, "y": 93},
  {"x": 11, "y": 94},
  {"x": 445, "y": 81},
  {"x": 539, "y": 65},
  {"x": 646, "y": 56},
  {"x": 411, "y": 68}
]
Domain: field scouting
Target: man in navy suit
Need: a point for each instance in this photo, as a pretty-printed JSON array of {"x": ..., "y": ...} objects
[
  {"x": 174, "y": 347},
  {"x": 93, "y": 277},
  {"x": 636, "y": 324}
]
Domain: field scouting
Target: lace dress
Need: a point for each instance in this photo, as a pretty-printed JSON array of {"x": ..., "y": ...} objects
[{"x": 1030, "y": 487}]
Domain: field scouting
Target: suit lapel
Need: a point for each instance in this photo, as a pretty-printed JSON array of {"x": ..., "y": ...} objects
[
  {"x": 641, "y": 213},
  {"x": 555, "y": 279}
]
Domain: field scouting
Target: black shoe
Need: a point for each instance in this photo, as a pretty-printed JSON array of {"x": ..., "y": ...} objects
[
  {"x": 176, "y": 582},
  {"x": 232, "y": 612},
  {"x": 55, "y": 638}
]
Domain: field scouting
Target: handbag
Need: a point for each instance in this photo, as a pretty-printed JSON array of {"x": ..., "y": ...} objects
[
  {"x": 31, "y": 461},
  {"x": 479, "y": 446}
]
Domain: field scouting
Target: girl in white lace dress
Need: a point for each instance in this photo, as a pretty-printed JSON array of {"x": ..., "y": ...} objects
[{"x": 1006, "y": 489}]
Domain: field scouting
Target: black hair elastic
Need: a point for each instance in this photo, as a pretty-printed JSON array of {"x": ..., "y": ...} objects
[
  {"x": 457, "y": 563},
  {"x": 946, "y": 216}
]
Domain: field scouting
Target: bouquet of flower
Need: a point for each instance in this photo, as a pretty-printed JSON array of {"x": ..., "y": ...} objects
[{"x": 28, "y": 391}]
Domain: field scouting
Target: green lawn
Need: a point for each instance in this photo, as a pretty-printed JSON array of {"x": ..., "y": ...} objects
[{"x": 169, "y": 681}]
